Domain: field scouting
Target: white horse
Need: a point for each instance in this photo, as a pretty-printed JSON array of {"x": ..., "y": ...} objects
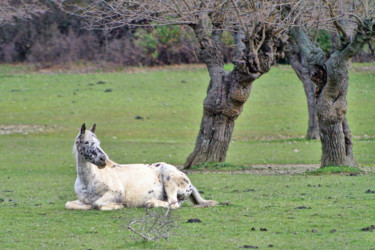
[{"x": 105, "y": 185}]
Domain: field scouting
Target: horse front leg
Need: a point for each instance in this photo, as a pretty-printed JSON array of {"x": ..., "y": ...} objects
[
  {"x": 156, "y": 203},
  {"x": 77, "y": 205},
  {"x": 171, "y": 190},
  {"x": 106, "y": 202}
]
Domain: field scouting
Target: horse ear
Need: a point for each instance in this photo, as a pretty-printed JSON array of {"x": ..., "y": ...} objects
[
  {"x": 93, "y": 128},
  {"x": 83, "y": 129}
]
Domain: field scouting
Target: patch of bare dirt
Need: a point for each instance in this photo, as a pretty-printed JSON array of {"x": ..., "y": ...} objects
[
  {"x": 276, "y": 170},
  {"x": 95, "y": 68},
  {"x": 269, "y": 138},
  {"x": 293, "y": 139},
  {"x": 267, "y": 170},
  {"x": 177, "y": 67},
  {"x": 21, "y": 129},
  {"x": 361, "y": 68},
  {"x": 281, "y": 169}
]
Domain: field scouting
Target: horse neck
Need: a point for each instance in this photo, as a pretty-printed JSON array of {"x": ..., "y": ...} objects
[
  {"x": 110, "y": 163},
  {"x": 86, "y": 171}
]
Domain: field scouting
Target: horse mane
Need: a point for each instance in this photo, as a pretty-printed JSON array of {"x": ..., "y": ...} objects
[{"x": 75, "y": 151}]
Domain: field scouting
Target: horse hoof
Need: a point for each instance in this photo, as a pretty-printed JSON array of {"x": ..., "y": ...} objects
[
  {"x": 149, "y": 205},
  {"x": 96, "y": 207},
  {"x": 174, "y": 205}
]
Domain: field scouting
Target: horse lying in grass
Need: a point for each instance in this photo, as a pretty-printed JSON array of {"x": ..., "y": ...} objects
[{"x": 105, "y": 185}]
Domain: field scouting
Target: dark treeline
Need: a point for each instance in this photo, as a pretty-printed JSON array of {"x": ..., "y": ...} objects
[{"x": 58, "y": 38}]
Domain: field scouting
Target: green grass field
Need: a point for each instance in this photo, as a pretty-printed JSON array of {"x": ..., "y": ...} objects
[{"x": 37, "y": 168}]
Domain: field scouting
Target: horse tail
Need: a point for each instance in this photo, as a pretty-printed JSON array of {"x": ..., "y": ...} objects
[{"x": 198, "y": 201}]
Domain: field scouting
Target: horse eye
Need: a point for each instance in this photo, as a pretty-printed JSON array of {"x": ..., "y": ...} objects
[{"x": 86, "y": 142}]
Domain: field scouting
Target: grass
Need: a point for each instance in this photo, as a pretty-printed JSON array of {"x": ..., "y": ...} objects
[
  {"x": 37, "y": 170},
  {"x": 271, "y": 127},
  {"x": 336, "y": 170},
  {"x": 222, "y": 166},
  {"x": 33, "y": 214}
]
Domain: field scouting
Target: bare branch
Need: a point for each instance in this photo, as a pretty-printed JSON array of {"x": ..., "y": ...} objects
[
  {"x": 335, "y": 22},
  {"x": 244, "y": 27},
  {"x": 263, "y": 38},
  {"x": 156, "y": 224},
  {"x": 10, "y": 11}
]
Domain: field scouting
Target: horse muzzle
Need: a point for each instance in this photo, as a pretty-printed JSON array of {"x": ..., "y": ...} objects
[{"x": 101, "y": 163}]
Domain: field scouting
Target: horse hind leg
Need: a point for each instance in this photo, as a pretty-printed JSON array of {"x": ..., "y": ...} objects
[
  {"x": 177, "y": 185},
  {"x": 177, "y": 190},
  {"x": 171, "y": 191},
  {"x": 77, "y": 205}
]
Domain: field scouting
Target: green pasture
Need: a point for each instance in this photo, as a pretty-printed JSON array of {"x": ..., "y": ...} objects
[
  {"x": 153, "y": 116},
  {"x": 169, "y": 103},
  {"x": 299, "y": 212}
]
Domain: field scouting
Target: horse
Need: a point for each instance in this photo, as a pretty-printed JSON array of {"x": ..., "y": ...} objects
[{"x": 103, "y": 184}]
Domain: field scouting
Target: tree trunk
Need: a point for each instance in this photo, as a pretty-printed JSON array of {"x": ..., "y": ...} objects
[
  {"x": 213, "y": 139},
  {"x": 301, "y": 67},
  {"x": 313, "y": 124},
  {"x": 228, "y": 91},
  {"x": 331, "y": 79},
  {"x": 372, "y": 50},
  {"x": 337, "y": 145},
  {"x": 332, "y": 105},
  {"x": 223, "y": 104}
]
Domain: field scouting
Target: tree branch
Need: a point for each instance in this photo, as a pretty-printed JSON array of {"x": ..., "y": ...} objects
[
  {"x": 335, "y": 22},
  {"x": 312, "y": 53},
  {"x": 238, "y": 37},
  {"x": 263, "y": 38},
  {"x": 364, "y": 34}
]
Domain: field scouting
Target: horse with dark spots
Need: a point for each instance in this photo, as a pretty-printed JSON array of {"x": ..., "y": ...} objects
[{"x": 105, "y": 185}]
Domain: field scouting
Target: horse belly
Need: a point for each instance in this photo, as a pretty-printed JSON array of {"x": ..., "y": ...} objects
[
  {"x": 137, "y": 197},
  {"x": 140, "y": 185}
]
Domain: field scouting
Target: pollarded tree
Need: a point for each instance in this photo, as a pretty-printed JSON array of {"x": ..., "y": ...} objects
[
  {"x": 257, "y": 27},
  {"x": 258, "y": 45},
  {"x": 11, "y": 10},
  {"x": 354, "y": 21}
]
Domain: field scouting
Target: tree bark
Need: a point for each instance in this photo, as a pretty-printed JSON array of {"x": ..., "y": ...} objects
[
  {"x": 332, "y": 106},
  {"x": 301, "y": 67},
  {"x": 213, "y": 139},
  {"x": 226, "y": 94},
  {"x": 313, "y": 124},
  {"x": 371, "y": 48},
  {"x": 330, "y": 75}
]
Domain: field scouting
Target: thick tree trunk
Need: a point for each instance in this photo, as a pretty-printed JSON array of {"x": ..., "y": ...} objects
[
  {"x": 228, "y": 91},
  {"x": 213, "y": 139},
  {"x": 332, "y": 105},
  {"x": 331, "y": 79},
  {"x": 337, "y": 145},
  {"x": 226, "y": 96}
]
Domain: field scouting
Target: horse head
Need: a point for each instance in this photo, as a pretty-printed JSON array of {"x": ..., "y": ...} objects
[{"x": 87, "y": 146}]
